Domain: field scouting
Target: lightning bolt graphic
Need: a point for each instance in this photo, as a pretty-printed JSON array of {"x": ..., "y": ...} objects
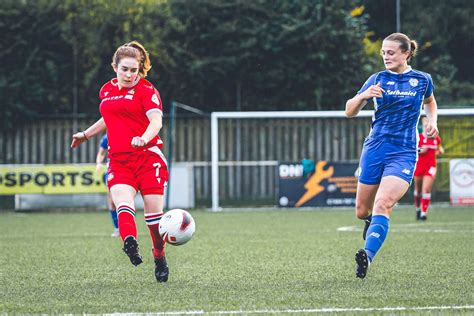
[{"x": 313, "y": 186}]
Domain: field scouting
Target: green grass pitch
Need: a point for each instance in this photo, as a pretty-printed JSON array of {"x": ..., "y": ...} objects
[{"x": 279, "y": 261}]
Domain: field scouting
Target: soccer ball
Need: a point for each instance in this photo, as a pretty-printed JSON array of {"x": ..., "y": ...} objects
[{"x": 177, "y": 227}]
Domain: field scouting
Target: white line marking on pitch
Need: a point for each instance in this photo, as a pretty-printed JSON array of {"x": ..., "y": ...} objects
[
  {"x": 294, "y": 311},
  {"x": 400, "y": 228}
]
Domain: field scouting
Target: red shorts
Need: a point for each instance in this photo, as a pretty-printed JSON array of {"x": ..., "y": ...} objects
[
  {"x": 425, "y": 169},
  {"x": 146, "y": 171}
]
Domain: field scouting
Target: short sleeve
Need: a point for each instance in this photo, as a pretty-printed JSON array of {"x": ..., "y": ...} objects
[
  {"x": 430, "y": 87},
  {"x": 420, "y": 140},
  {"x": 151, "y": 100},
  {"x": 367, "y": 84},
  {"x": 103, "y": 91}
]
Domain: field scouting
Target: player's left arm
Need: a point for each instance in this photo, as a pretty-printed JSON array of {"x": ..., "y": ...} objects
[
  {"x": 156, "y": 122},
  {"x": 440, "y": 150},
  {"x": 431, "y": 110}
]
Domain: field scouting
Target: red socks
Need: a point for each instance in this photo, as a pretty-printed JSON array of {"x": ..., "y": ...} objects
[
  {"x": 425, "y": 202},
  {"x": 126, "y": 221},
  {"x": 128, "y": 227},
  {"x": 153, "y": 221}
]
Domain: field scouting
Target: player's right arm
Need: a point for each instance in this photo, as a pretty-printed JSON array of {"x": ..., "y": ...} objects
[
  {"x": 99, "y": 159},
  {"x": 96, "y": 128},
  {"x": 369, "y": 90},
  {"x": 354, "y": 105}
]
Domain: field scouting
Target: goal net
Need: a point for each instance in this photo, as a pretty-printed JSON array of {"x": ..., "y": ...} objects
[{"x": 246, "y": 148}]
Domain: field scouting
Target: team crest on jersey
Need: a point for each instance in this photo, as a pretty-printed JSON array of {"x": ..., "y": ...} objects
[
  {"x": 131, "y": 91},
  {"x": 155, "y": 100},
  {"x": 413, "y": 82},
  {"x": 105, "y": 93}
]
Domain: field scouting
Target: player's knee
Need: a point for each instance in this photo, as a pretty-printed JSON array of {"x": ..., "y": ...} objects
[
  {"x": 425, "y": 192},
  {"x": 362, "y": 211},
  {"x": 383, "y": 206}
]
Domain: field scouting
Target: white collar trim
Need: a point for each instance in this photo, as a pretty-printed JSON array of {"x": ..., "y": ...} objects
[{"x": 396, "y": 73}]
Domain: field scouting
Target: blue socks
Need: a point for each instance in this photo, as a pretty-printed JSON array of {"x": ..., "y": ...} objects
[
  {"x": 376, "y": 234},
  {"x": 113, "y": 214}
]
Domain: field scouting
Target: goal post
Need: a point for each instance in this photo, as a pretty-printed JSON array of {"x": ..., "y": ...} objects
[{"x": 216, "y": 116}]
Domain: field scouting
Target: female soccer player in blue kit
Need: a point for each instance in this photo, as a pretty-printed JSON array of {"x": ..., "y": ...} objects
[{"x": 389, "y": 154}]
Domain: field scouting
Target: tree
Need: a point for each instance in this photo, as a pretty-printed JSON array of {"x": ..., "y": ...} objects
[
  {"x": 34, "y": 64},
  {"x": 445, "y": 43},
  {"x": 223, "y": 54},
  {"x": 276, "y": 54}
]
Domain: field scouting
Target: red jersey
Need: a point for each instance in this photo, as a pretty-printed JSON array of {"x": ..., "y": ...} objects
[
  {"x": 125, "y": 114},
  {"x": 431, "y": 145}
]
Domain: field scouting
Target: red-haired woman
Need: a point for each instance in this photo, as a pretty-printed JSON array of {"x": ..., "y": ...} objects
[{"x": 131, "y": 112}]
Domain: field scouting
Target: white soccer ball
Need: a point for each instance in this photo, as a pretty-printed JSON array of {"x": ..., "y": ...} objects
[{"x": 177, "y": 227}]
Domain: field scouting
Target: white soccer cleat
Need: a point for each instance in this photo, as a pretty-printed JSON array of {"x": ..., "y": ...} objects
[{"x": 423, "y": 216}]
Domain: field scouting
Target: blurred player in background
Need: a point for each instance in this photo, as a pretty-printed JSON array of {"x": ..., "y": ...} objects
[
  {"x": 425, "y": 172},
  {"x": 389, "y": 153},
  {"x": 101, "y": 154},
  {"x": 131, "y": 112}
]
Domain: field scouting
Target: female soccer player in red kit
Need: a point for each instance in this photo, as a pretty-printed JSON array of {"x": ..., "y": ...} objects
[
  {"x": 425, "y": 172},
  {"x": 131, "y": 112}
]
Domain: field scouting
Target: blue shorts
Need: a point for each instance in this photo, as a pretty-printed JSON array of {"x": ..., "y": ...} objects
[
  {"x": 106, "y": 173},
  {"x": 382, "y": 158}
]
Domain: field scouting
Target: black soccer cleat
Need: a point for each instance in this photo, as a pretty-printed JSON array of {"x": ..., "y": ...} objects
[
  {"x": 423, "y": 217},
  {"x": 366, "y": 227},
  {"x": 130, "y": 247},
  {"x": 362, "y": 262},
  {"x": 418, "y": 214},
  {"x": 161, "y": 269}
]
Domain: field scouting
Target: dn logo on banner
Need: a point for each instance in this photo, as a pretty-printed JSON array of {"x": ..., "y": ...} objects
[{"x": 331, "y": 184}]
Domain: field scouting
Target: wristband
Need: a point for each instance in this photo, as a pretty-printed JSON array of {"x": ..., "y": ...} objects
[{"x": 85, "y": 136}]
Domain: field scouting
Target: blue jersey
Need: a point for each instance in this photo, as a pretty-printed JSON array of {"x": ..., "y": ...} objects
[
  {"x": 104, "y": 144},
  {"x": 398, "y": 111}
]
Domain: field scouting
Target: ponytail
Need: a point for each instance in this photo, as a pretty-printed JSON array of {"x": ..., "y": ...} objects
[
  {"x": 145, "y": 64},
  {"x": 413, "y": 49},
  {"x": 406, "y": 44},
  {"x": 134, "y": 50}
]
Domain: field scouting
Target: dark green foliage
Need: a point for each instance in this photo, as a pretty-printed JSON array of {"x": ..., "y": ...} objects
[
  {"x": 441, "y": 29},
  {"x": 274, "y": 54},
  {"x": 36, "y": 60},
  {"x": 221, "y": 54}
]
